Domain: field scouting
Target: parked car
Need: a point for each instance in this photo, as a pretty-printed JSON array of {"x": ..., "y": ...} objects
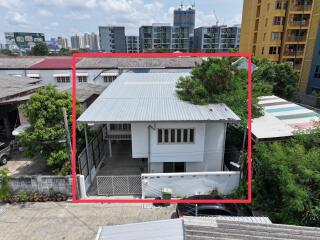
[
  {"x": 211, "y": 209},
  {"x": 4, "y": 152}
]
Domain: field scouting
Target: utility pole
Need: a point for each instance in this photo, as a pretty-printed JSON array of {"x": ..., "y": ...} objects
[{"x": 65, "y": 118}]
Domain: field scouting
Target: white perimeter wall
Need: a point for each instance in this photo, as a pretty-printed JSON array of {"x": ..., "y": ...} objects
[
  {"x": 189, "y": 184},
  {"x": 206, "y": 154}
]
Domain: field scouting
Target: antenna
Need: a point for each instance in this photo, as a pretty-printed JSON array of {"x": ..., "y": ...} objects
[
  {"x": 215, "y": 15},
  {"x": 181, "y": 5},
  {"x": 194, "y": 4}
]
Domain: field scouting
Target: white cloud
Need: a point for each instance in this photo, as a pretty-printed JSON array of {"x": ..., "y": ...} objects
[
  {"x": 16, "y": 18},
  {"x": 76, "y": 15},
  {"x": 135, "y": 13},
  {"x": 77, "y": 4},
  {"x": 44, "y": 13},
  {"x": 10, "y": 3}
]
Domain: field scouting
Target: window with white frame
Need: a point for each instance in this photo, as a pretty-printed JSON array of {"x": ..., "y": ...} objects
[
  {"x": 176, "y": 136},
  {"x": 63, "y": 79},
  {"x": 109, "y": 79},
  {"x": 82, "y": 79}
]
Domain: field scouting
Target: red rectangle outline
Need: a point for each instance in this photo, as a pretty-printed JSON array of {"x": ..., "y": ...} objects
[{"x": 159, "y": 55}]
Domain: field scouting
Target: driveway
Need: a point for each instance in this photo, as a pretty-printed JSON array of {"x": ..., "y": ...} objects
[
  {"x": 19, "y": 165},
  {"x": 53, "y": 221}
]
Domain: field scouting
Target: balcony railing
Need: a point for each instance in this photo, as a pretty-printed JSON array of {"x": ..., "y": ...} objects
[
  {"x": 303, "y": 23},
  {"x": 292, "y": 38},
  {"x": 302, "y": 8},
  {"x": 293, "y": 53}
]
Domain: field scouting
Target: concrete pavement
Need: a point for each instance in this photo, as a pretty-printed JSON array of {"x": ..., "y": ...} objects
[{"x": 53, "y": 221}]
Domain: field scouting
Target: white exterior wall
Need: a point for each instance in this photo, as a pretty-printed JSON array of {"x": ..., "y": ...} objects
[
  {"x": 189, "y": 184},
  {"x": 213, "y": 149},
  {"x": 47, "y": 75},
  {"x": 205, "y": 154}
]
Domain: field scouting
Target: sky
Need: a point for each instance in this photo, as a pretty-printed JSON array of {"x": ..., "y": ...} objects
[{"x": 69, "y": 17}]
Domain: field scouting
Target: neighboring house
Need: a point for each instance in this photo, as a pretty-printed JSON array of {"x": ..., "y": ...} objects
[
  {"x": 282, "y": 119},
  {"x": 101, "y": 71},
  {"x": 15, "y": 91},
  {"x": 142, "y": 112},
  {"x": 203, "y": 228}
]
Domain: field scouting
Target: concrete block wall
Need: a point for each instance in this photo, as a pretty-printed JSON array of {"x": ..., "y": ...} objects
[{"x": 42, "y": 184}]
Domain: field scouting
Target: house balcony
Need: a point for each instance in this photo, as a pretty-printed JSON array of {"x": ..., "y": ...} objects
[
  {"x": 294, "y": 38},
  {"x": 293, "y": 53},
  {"x": 298, "y": 24},
  {"x": 307, "y": 7}
]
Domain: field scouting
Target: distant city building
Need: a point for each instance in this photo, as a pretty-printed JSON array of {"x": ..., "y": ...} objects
[
  {"x": 75, "y": 42},
  {"x": 132, "y": 44},
  {"x": 53, "y": 45},
  {"x": 163, "y": 37},
  {"x": 94, "y": 42},
  {"x": 229, "y": 37},
  {"x": 112, "y": 39},
  {"x": 23, "y": 40},
  {"x": 185, "y": 17},
  {"x": 207, "y": 39},
  {"x": 63, "y": 42},
  {"x": 216, "y": 38}
]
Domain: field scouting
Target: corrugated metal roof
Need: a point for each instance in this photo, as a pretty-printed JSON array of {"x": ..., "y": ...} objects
[
  {"x": 11, "y": 86},
  {"x": 156, "y": 230},
  {"x": 18, "y": 62},
  {"x": 54, "y": 63},
  {"x": 282, "y": 118},
  {"x": 150, "y": 97},
  {"x": 136, "y": 62}
]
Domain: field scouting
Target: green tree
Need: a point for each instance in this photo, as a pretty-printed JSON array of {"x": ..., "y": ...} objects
[
  {"x": 282, "y": 77},
  {"x": 46, "y": 136},
  {"x": 286, "y": 180},
  {"x": 216, "y": 80},
  {"x": 7, "y": 52},
  {"x": 40, "y": 49}
]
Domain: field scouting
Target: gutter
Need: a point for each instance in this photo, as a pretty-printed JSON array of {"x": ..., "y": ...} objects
[{"x": 149, "y": 144}]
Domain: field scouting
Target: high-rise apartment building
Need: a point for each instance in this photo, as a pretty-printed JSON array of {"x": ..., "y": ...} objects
[
  {"x": 216, "y": 38},
  {"x": 280, "y": 30},
  {"x": 310, "y": 72},
  {"x": 185, "y": 17},
  {"x": 63, "y": 42},
  {"x": 132, "y": 44},
  {"x": 112, "y": 39},
  {"x": 94, "y": 42},
  {"x": 75, "y": 42},
  {"x": 163, "y": 37},
  {"x": 229, "y": 38}
]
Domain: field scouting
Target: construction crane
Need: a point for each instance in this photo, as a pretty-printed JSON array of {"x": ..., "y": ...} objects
[{"x": 215, "y": 15}]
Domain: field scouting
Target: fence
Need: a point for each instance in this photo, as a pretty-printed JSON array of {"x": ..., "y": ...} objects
[
  {"x": 189, "y": 184},
  {"x": 119, "y": 185},
  {"x": 39, "y": 183},
  {"x": 89, "y": 163}
]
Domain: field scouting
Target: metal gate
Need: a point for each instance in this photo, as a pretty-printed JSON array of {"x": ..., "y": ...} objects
[{"x": 119, "y": 185}]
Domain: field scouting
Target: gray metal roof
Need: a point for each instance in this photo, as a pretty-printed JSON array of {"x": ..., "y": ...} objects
[
  {"x": 150, "y": 97},
  {"x": 130, "y": 62},
  {"x": 84, "y": 90},
  {"x": 18, "y": 62},
  {"x": 155, "y": 230},
  {"x": 12, "y": 86},
  {"x": 230, "y": 229},
  {"x": 205, "y": 228}
]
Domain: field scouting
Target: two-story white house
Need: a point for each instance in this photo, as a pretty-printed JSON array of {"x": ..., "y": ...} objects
[{"x": 173, "y": 136}]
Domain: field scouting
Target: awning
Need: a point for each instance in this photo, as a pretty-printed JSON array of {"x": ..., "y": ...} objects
[
  {"x": 35, "y": 75},
  {"x": 61, "y": 75},
  {"x": 82, "y": 74},
  {"x": 109, "y": 74}
]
